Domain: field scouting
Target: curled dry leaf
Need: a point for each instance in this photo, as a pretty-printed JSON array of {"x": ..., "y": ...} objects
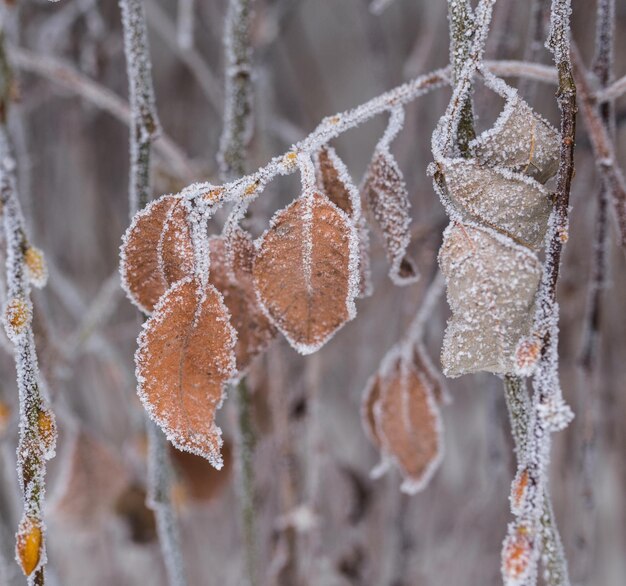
[
  {"x": 492, "y": 284},
  {"x": 156, "y": 251},
  {"x": 306, "y": 271},
  {"x": 233, "y": 278},
  {"x": 335, "y": 181},
  {"x": 401, "y": 417},
  {"x": 517, "y": 554},
  {"x": 508, "y": 202},
  {"x": 185, "y": 355},
  {"x": 93, "y": 481},
  {"x": 386, "y": 197},
  {"x": 520, "y": 140}
]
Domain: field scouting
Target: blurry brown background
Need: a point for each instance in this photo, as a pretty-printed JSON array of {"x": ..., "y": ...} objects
[{"x": 313, "y": 58}]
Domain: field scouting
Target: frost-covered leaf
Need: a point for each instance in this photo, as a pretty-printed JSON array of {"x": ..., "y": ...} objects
[
  {"x": 512, "y": 203},
  {"x": 408, "y": 422},
  {"x": 371, "y": 397},
  {"x": 156, "y": 251},
  {"x": 93, "y": 480},
  {"x": 424, "y": 365},
  {"x": 336, "y": 183},
  {"x": 29, "y": 544},
  {"x": 306, "y": 271},
  {"x": 386, "y": 197},
  {"x": 185, "y": 355},
  {"x": 492, "y": 283},
  {"x": 233, "y": 278},
  {"x": 36, "y": 268},
  {"x": 517, "y": 555},
  {"x": 520, "y": 140}
]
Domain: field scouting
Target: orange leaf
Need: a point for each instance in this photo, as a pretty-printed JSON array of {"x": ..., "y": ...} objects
[
  {"x": 306, "y": 271},
  {"x": 233, "y": 278},
  {"x": 408, "y": 423},
  {"x": 29, "y": 544},
  {"x": 185, "y": 356},
  {"x": 156, "y": 251}
]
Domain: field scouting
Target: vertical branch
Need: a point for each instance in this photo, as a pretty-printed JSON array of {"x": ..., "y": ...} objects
[
  {"x": 232, "y": 159},
  {"x": 538, "y": 13},
  {"x": 461, "y": 25},
  {"x": 37, "y": 424},
  {"x": 239, "y": 90},
  {"x": 144, "y": 120},
  {"x": 143, "y": 130}
]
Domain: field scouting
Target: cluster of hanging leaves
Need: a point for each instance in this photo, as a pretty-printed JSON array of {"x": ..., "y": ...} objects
[
  {"x": 500, "y": 208},
  {"x": 217, "y": 303},
  {"x": 400, "y": 413}
]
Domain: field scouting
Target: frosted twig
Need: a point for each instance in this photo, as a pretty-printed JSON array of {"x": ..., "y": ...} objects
[
  {"x": 430, "y": 299},
  {"x": 143, "y": 129},
  {"x": 159, "y": 500},
  {"x": 37, "y": 424},
  {"x": 238, "y": 95},
  {"x": 65, "y": 76},
  {"x": 519, "y": 407},
  {"x": 144, "y": 121},
  {"x": 603, "y": 148},
  {"x": 461, "y": 25},
  {"x": 548, "y": 412},
  {"x": 602, "y": 67}
]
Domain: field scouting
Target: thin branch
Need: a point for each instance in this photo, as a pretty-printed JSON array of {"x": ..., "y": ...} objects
[
  {"x": 239, "y": 90},
  {"x": 37, "y": 424},
  {"x": 616, "y": 90},
  {"x": 539, "y": 10},
  {"x": 143, "y": 130},
  {"x": 65, "y": 76},
  {"x": 602, "y": 145}
]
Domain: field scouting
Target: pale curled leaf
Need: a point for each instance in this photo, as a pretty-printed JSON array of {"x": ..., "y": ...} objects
[
  {"x": 185, "y": 356},
  {"x": 156, "y": 251},
  {"x": 509, "y": 202},
  {"x": 386, "y": 198},
  {"x": 233, "y": 278},
  {"x": 492, "y": 283},
  {"x": 306, "y": 271},
  {"x": 520, "y": 140}
]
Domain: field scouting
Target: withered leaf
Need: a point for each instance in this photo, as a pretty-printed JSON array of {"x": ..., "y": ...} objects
[
  {"x": 520, "y": 140},
  {"x": 93, "y": 481},
  {"x": 233, "y": 278},
  {"x": 387, "y": 199},
  {"x": 156, "y": 251},
  {"x": 306, "y": 271},
  {"x": 492, "y": 283},
  {"x": 335, "y": 182},
  {"x": 184, "y": 357},
  {"x": 408, "y": 423},
  {"x": 508, "y": 202}
]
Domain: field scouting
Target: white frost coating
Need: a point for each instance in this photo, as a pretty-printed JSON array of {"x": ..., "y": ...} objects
[{"x": 196, "y": 444}]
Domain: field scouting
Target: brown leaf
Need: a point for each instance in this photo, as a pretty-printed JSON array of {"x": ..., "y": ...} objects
[
  {"x": 335, "y": 182},
  {"x": 131, "y": 507},
  {"x": 156, "y": 251},
  {"x": 371, "y": 398},
  {"x": 386, "y": 197},
  {"x": 306, "y": 271},
  {"x": 185, "y": 356},
  {"x": 408, "y": 423},
  {"x": 94, "y": 479},
  {"x": 233, "y": 278}
]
